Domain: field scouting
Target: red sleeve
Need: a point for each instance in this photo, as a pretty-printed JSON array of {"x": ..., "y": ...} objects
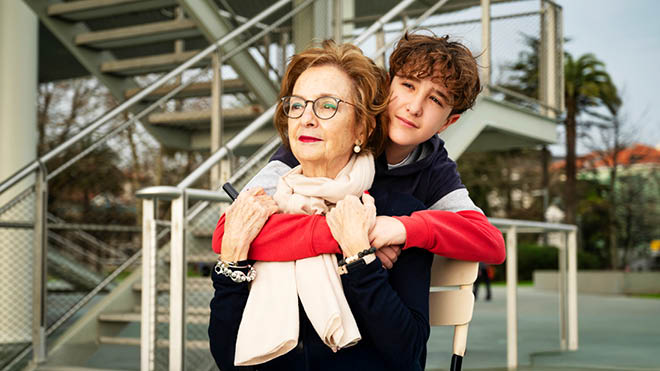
[
  {"x": 286, "y": 237},
  {"x": 463, "y": 235}
]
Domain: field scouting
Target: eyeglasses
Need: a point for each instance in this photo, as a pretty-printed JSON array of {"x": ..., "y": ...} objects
[{"x": 324, "y": 108}]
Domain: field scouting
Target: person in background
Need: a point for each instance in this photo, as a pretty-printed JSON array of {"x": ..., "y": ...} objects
[{"x": 485, "y": 277}]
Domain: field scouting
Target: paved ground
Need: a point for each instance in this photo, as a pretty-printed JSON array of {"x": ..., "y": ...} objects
[{"x": 615, "y": 333}]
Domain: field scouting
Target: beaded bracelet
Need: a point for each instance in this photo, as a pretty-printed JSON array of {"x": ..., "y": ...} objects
[
  {"x": 359, "y": 255},
  {"x": 224, "y": 268}
]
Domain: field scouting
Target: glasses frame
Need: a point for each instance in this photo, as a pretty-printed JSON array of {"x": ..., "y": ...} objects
[{"x": 337, "y": 100}]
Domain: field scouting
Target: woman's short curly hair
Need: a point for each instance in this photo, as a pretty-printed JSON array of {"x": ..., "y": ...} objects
[
  {"x": 448, "y": 62},
  {"x": 370, "y": 89}
]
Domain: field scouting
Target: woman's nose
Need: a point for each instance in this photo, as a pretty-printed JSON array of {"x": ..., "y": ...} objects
[{"x": 308, "y": 117}]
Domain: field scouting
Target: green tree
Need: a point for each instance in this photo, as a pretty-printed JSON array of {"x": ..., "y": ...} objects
[{"x": 587, "y": 85}]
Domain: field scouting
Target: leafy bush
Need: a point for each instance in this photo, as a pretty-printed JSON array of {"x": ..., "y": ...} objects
[{"x": 533, "y": 257}]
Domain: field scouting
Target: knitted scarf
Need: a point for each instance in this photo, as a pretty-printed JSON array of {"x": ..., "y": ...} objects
[{"x": 270, "y": 324}]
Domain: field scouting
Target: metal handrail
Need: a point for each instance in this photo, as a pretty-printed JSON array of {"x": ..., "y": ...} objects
[
  {"x": 382, "y": 21},
  {"x": 415, "y": 23},
  {"x": 28, "y": 169},
  {"x": 530, "y": 224},
  {"x": 523, "y": 97}
]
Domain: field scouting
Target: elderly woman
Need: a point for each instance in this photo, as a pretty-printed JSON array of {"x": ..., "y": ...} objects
[{"x": 330, "y": 99}]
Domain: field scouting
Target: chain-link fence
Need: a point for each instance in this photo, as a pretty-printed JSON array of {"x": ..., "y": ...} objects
[{"x": 16, "y": 271}]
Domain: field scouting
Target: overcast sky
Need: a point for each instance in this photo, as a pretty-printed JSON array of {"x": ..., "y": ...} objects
[{"x": 626, "y": 36}]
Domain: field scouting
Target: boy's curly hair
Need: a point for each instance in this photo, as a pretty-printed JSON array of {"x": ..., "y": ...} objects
[{"x": 448, "y": 62}]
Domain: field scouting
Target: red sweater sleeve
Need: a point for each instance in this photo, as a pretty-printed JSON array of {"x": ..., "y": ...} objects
[
  {"x": 286, "y": 237},
  {"x": 463, "y": 235}
]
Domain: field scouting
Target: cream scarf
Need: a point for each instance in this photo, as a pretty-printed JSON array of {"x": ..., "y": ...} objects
[{"x": 269, "y": 327}]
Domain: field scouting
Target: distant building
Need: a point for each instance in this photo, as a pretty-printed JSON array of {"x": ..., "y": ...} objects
[{"x": 638, "y": 159}]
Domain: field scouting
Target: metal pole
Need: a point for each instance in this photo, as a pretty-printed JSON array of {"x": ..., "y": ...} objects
[
  {"x": 485, "y": 44},
  {"x": 148, "y": 320},
  {"x": 571, "y": 299},
  {"x": 549, "y": 68},
  {"x": 338, "y": 20},
  {"x": 216, "y": 116},
  {"x": 40, "y": 267},
  {"x": 178, "y": 268},
  {"x": 560, "y": 56},
  {"x": 511, "y": 298},
  {"x": 561, "y": 286},
  {"x": 380, "y": 43}
]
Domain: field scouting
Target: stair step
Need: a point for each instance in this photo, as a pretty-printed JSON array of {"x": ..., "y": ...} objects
[
  {"x": 139, "y": 34},
  {"x": 205, "y": 310},
  {"x": 71, "y": 368},
  {"x": 154, "y": 63},
  {"x": 161, "y": 343},
  {"x": 93, "y": 9},
  {"x": 199, "y": 258},
  {"x": 198, "y": 89},
  {"x": 203, "y": 118},
  {"x": 162, "y": 318},
  {"x": 193, "y": 284}
]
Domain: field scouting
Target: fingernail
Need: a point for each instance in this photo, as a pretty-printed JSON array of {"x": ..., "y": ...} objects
[{"x": 367, "y": 192}]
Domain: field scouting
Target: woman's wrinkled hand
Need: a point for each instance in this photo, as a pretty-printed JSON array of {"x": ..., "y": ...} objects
[
  {"x": 350, "y": 222},
  {"x": 243, "y": 221}
]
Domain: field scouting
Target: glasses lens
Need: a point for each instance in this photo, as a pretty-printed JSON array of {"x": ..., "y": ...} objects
[
  {"x": 293, "y": 106},
  {"x": 325, "y": 107}
]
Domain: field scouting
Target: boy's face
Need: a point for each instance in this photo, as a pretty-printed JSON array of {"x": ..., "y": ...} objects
[{"x": 417, "y": 110}]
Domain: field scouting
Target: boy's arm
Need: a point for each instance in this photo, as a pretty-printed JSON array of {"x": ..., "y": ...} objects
[
  {"x": 286, "y": 237},
  {"x": 459, "y": 231},
  {"x": 455, "y": 228}
]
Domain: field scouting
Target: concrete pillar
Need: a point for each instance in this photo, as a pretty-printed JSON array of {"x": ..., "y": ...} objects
[{"x": 18, "y": 145}]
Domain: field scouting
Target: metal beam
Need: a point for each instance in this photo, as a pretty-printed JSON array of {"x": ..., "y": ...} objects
[
  {"x": 213, "y": 26},
  {"x": 511, "y": 298}
]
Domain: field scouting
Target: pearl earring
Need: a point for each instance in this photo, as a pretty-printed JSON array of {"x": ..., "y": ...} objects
[{"x": 357, "y": 148}]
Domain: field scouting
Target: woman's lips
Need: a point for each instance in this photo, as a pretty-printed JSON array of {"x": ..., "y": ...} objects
[
  {"x": 306, "y": 139},
  {"x": 406, "y": 122}
]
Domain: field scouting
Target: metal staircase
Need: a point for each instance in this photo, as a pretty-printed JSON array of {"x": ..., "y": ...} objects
[
  {"x": 119, "y": 40},
  {"x": 130, "y": 45}
]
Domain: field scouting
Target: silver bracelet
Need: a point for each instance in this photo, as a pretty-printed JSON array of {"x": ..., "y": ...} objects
[{"x": 223, "y": 267}]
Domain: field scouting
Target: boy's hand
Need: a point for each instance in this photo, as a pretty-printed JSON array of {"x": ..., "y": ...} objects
[
  {"x": 387, "y": 231},
  {"x": 350, "y": 221},
  {"x": 388, "y": 255}
]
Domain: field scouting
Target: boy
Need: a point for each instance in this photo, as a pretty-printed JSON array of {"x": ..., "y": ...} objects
[{"x": 433, "y": 81}]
